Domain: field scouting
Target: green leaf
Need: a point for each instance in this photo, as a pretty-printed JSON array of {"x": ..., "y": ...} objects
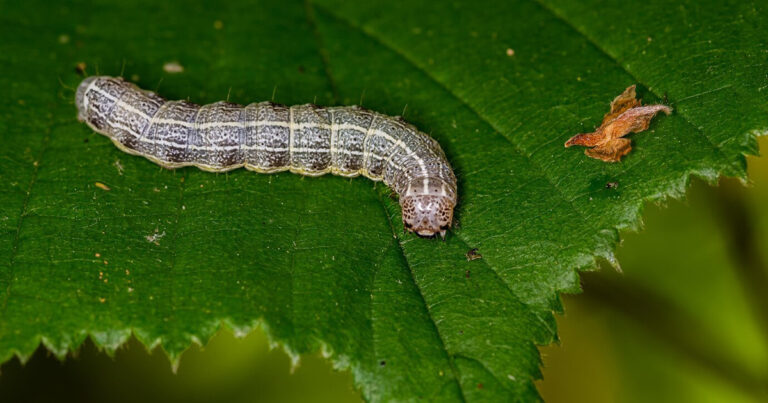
[{"x": 322, "y": 263}]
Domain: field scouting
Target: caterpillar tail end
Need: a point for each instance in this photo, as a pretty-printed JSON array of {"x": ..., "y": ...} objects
[{"x": 80, "y": 101}]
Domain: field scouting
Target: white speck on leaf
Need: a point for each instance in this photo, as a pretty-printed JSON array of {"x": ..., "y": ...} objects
[
  {"x": 173, "y": 67},
  {"x": 119, "y": 167},
  {"x": 153, "y": 238}
]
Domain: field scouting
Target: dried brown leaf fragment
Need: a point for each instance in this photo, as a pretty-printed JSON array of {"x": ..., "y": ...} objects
[{"x": 627, "y": 115}]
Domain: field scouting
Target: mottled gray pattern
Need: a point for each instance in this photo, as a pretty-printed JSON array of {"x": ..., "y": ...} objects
[{"x": 266, "y": 137}]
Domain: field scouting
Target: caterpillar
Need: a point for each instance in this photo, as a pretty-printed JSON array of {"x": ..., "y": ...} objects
[{"x": 266, "y": 137}]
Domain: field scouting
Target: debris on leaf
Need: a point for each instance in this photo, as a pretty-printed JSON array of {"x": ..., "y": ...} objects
[
  {"x": 627, "y": 115},
  {"x": 472, "y": 254},
  {"x": 102, "y": 186},
  {"x": 173, "y": 67},
  {"x": 119, "y": 167},
  {"x": 80, "y": 69},
  {"x": 153, "y": 238}
]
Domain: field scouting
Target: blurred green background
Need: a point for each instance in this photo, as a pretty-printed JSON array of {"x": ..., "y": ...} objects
[{"x": 685, "y": 321}]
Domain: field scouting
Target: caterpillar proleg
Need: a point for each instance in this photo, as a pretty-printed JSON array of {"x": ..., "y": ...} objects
[{"x": 266, "y": 137}]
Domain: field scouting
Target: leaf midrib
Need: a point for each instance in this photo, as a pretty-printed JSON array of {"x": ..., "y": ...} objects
[
  {"x": 332, "y": 83},
  {"x": 443, "y": 347}
]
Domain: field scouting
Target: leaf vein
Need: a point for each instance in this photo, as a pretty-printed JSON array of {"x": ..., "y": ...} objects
[
  {"x": 396, "y": 241},
  {"x": 23, "y": 213},
  {"x": 449, "y": 356}
]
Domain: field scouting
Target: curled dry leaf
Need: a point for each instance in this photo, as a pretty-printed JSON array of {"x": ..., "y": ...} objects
[{"x": 627, "y": 115}]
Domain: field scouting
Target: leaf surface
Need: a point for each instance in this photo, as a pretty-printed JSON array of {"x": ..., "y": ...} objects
[{"x": 322, "y": 263}]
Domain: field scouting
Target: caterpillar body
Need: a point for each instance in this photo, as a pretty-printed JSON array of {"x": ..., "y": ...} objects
[{"x": 266, "y": 137}]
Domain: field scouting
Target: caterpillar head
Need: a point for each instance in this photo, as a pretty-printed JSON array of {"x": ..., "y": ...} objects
[{"x": 427, "y": 215}]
